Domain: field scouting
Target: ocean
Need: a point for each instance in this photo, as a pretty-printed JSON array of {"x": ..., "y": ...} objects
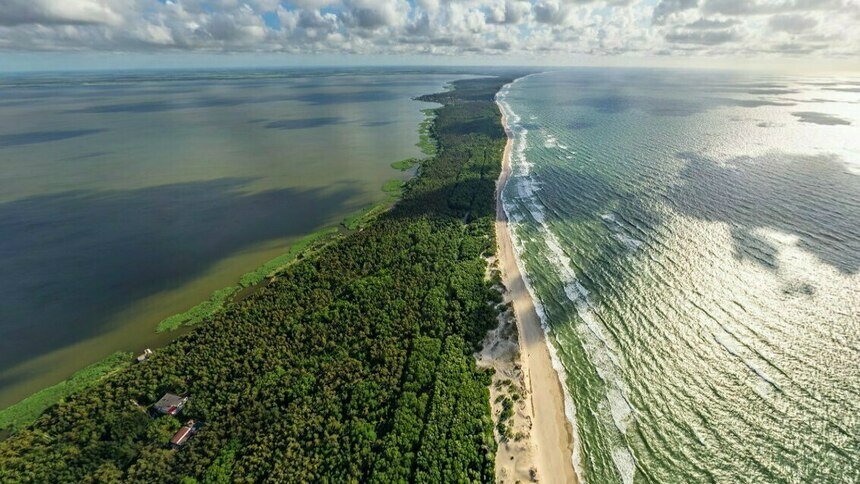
[
  {"x": 692, "y": 241},
  {"x": 127, "y": 197}
]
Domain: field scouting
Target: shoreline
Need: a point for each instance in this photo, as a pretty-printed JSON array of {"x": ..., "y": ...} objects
[
  {"x": 551, "y": 436},
  {"x": 167, "y": 329},
  {"x": 431, "y": 403}
]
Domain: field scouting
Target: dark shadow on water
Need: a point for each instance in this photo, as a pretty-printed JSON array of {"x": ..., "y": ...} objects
[
  {"x": 666, "y": 106},
  {"x": 374, "y": 124},
  {"x": 88, "y": 156},
  {"x": 168, "y": 104},
  {"x": 313, "y": 98},
  {"x": 753, "y": 103},
  {"x": 813, "y": 197},
  {"x": 772, "y": 91},
  {"x": 798, "y": 288},
  {"x": 325, "y": 98},
  {"x": 36, "y": 137},
  {"x": 70, "y": 262},
  {"x": 579, "y": 125},
  {"x": 820, "y": 118},
  {"x": 290, "y": 124}
]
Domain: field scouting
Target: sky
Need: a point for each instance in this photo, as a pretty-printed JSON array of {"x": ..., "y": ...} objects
[{"x": 93, "y": 34}]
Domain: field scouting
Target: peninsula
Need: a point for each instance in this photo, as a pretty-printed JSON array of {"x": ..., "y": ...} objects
[{"x": 355, "y": 362}]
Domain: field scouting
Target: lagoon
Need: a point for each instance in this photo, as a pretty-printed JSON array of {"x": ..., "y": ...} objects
[{"x": 128, "y": 197}]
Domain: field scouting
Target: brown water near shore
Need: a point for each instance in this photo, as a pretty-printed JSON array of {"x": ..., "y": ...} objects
[{"x": 127, "y": 199}]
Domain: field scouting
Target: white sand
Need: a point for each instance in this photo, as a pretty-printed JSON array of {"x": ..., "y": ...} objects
[
  {"x": 548, "y": 446},
  {"x": 501, "y": 351}
]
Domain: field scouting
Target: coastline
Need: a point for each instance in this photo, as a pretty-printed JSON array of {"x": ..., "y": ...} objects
[
  {"x": 551, "y": 437},
  {"x": 122, "y": 313},
  {"x": 435, "y": 418},
  {"x": 165, "y": 330}
]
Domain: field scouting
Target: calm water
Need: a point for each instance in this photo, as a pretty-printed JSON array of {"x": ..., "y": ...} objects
[
  {"x": 128, "y": 197},
  {"x": 694, "y": 243}
]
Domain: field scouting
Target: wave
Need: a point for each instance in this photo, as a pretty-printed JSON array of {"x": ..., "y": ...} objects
[
  {"x": 617, "y": 230},
  {"x": 597, "y": 343},
  {"x": 518, "y": 154},
  {"x": 712, "y": 272},
  {"x": 527, "y": 188}
]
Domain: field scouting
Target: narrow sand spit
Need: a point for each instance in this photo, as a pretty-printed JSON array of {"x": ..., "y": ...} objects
[{"x": 550, "y": 439}]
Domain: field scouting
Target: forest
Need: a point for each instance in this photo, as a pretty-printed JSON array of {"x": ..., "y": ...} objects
[{"x": 354, "y": 364}]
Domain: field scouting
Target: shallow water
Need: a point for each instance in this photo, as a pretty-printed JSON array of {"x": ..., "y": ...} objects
[
  {"x": 693, "y": 240},
  {"x": 128, "y": 197}
]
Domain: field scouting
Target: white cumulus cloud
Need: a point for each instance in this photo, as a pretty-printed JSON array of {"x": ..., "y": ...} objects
[{"x": 823, "y": 28}]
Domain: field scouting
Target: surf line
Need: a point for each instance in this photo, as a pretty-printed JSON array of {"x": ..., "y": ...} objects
[{"x": 531, "y": 320}]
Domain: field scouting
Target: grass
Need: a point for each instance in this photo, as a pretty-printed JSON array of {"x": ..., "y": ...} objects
[
  {"x": 426, "y": 141},
  {"x": 393, "y": 188},
  {"x": 363, "y": 217},
  {"x": 199, "y": 312},
  {"x": 28, "y": 410},
  {"x": 404, "y": 165},
  {"x": 220, "y": 298}
]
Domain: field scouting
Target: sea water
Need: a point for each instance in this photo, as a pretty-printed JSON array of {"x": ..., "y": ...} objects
[{"x": 692, "y": 240}]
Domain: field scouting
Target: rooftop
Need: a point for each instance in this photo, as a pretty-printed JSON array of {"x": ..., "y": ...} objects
[{"x": 170, "y": 404}]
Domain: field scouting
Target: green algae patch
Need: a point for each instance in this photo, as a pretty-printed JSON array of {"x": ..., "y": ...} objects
[
  {"x": 28, "y": 410},
  {"x": 393, "y": 188},
  {"x": 365, "y": 216},
  {"x": 313, "y": 241},
  {"x": 199, "y": 312},
  {"x": 426, "y": 140},
  {"x": 404, "y": 165}
]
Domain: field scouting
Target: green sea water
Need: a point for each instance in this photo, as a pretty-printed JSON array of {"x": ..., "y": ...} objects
[
  {"x": 692, "y": 240},
  {"x": 127, "y": 197}
]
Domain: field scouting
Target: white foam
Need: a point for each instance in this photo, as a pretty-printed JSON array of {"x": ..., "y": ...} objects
[
  {"x": 599, "y": 346},
  {"x": 625, "y": 463},
  {"x": 738, "y": 350},
  {"x": 629, "y": 242},
  {"x": 520, "y": 144},
  {"x": 620, "y": 409},
  {"x": 618, "y": 232}
]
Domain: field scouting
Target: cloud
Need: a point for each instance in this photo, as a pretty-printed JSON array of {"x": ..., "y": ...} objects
[
  {"x": 374, "y": 14},
  {"x": 525, "y": 28},
  {"x": 667, "y": 8},
  {"x": 707, "y": 24},
  {"x": 508, "y": 12},
  {"x": 51, "y": 12},
  {"x": 792, "y": 23},
  {"x": 551, "y": 12},
  {"x": 759, "y": 7},
  {"x": 709, "y": 37}
]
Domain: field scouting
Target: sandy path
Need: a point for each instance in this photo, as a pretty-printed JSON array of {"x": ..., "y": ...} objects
[{"x": 551, "y": 435}]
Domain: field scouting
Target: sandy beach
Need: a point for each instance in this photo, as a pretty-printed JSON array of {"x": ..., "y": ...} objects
[{"x": 550, "y": 439}]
